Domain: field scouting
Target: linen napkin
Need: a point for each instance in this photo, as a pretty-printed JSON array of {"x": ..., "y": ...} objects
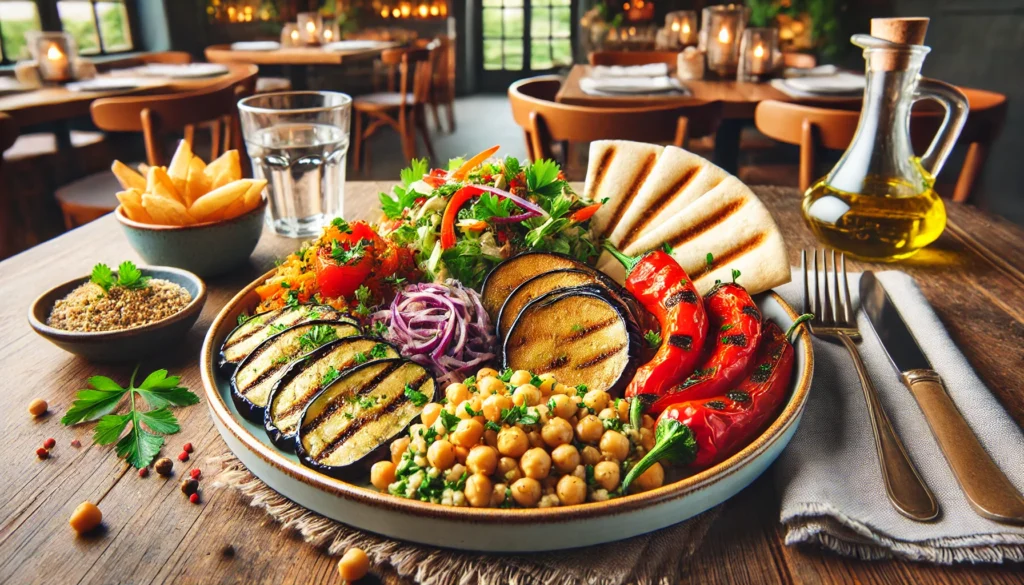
[
  {"x": 829, "y": 477},
  {"x": 606, "y": 85},
  {"x": 647, "y": 70}
]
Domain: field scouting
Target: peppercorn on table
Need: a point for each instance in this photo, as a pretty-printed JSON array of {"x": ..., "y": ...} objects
[{"x": 151, "y": 532}]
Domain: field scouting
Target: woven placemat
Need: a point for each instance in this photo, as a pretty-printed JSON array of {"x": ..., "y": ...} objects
[{"x": 657, "y": 558}]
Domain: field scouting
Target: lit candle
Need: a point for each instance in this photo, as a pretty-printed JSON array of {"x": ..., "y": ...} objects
[
  {"x": 57, "y": 67},
  {"x": 434, "y": 10},
  {"x": 723, "y": 35},
  {"x": 758, "y": 62},
  {"x": 423, "y": 10},
  {"x": 295, "y": 36},
  {"x": 687, "y": 32},
  {"x": 328, "y": 35}
]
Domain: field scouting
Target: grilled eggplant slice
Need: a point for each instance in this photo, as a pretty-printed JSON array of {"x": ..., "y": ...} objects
[
  {"x": 362, "y": 410},
  {"x": 258, "y": 328},
  {"x": 261, "y": 369},
  {"x": 505, "y": 277},
  {"x": 305, "y": 378},
  {"x": 582, "y": 335}
]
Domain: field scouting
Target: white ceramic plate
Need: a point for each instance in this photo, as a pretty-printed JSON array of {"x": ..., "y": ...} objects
[
  {"x": 185, "y": 70},
  {"x": 356, "y": 45},
  {"x": 497, "y": 530},
  {"x": 256, "y": 46},
  {"x": 112, "y": 83},
  {"x": 829, "y": 84}
]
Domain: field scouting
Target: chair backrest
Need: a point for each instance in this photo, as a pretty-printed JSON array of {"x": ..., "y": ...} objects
[
  {"x": 544, "y": 121},
  {"x": 813, "y": 128},
  {"x": 632, "y": 57},
  {"x": 164, "y": 57},
  {"x": 799, "y": 60},
  {"x": 8, "y": 133},
  {"x": 420, "y": 62},
  {"x": 157, "y": 116}
]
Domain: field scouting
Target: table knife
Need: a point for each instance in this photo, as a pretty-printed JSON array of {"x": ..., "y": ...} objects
[{"x": 987, "y": 488}]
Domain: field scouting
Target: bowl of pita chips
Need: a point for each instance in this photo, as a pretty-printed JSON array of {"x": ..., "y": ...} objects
[{"x": 204, "y": 218}]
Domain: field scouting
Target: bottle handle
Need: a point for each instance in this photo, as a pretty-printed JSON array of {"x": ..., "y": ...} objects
[{"x": 954, "y": 102}]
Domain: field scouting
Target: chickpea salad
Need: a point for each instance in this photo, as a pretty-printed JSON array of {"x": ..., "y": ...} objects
[{"x": 516, "y": 440}]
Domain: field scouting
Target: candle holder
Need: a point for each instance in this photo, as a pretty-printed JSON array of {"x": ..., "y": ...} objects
[
  {"x": 682, "y": 27},
  {"x": 54, "y": 54},
  {"x": 331, "y": 32},
  {"x": 759, "y": 51},
  {"x": 311, "y": 25},
  {"x": 722, "y": 28},
  {"x": 290, "y": 36}
]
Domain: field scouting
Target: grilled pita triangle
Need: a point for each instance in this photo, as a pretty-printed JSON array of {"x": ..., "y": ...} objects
[{"x": 617, "y": 170}]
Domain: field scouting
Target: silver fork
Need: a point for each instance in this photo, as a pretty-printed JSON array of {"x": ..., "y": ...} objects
[{"x": 833, "y": 318}]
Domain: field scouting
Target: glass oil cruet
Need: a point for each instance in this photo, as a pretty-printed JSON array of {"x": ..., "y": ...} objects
[{"x": 878, "y": 202}]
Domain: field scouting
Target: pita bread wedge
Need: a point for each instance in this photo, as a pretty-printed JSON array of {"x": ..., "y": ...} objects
[
  {"x": 730, "y": 223},
  {"x": 678, "y": 178},
  {"x": 617, "y": 170}
]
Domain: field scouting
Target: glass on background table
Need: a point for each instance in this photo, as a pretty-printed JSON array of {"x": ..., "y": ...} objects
[{"x": 298, "y": 142}]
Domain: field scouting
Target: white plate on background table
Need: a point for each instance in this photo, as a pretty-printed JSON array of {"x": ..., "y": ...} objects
[
  {"x": 256, "y": 46},
  {"x": 112, "y": 83},
  {"x": 184, "y": 70},
  {"x": 357, "y": 45},
  {"x": 9, "y": 85},
  {"x": 840, "y": 83},
  {"x": 631, "y": 85},
  {"x": 496, "y": 530}
]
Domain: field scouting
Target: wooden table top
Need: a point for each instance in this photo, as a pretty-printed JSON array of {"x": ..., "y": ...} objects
[
  {"x": 153, "y": 535},
  {"x": 739, "y": 98},
  {"x": 289, "y": 55},
  {"x": 55, "y": 103}
]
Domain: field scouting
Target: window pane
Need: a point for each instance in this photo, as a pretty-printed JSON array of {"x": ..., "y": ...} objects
[
  {"x": 492, "y": 55},
  {"x": 17, "y": 18},
  {"x": 78, "y": 20},
  {"x": 540, "y": 23},
  {"x": 561, "y": 2},
  {"x": 562, "y": 23},
  {"x": 514, "y": 55},
  {"x": 540, "y": 55},
  {"x": 492, "y": 23},
  {"x": 561, "y": 52},
  {"x": 115, "y": 30},
  {"x": 491, "y": 3},
  {"x": 513, "y": 2},
  {"x": 513, "y": 23}
]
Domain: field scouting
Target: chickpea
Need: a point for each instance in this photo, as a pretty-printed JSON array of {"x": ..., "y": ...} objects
[
  {"x": 493, "y": 405},
  {"x": 86, "y": 517},
  {"x": 508, "y": 469},
  {"x": 536, "y": 463},
  {"x": 536, "y": 441},
  {"x": 527, "y": 394},
  {"x": 614, "y": 445},
  {"x": 513, "y": 442},
  {"x": 608, "y": 413},
  {"x": 561, "y": 406},
  {"x": 597, "y": 399},
  {"x": 566, "y": 458},
  {"x": 571, "y": 490},
  {"x": 441, "y": 454},
  {"x": 498, "y": 494},
  {"x": 479, "y": 490},
  {"x": 650, "y": 479},
  {"x": 491, "y": 385},
  {"x": 647, "y": 422},
  {"x": 461, "y": 454},
  {"x": 353, "y": 565},
  {"x": 456, "y": 393},
  {"x": 398, "y": 448},
  {"x": 647, "y": 439},
  {"x": 382, "y": 474},
  {"x": 468, "y": 433},
  {"x": 557, "y": 432},
  {"x": 37, "y": 407},
  {"x": 563, "y": 389},
  {"x": 491, "y": 438},
  {"x": 547, "y": 384},
  {"x": 475, "y": 404},
  {"x": 526, "y": 492},
  {"x": 622, "y": 408},
  {"x": 485, "y": 373},
  {"x": 606, "y": 474},
  {"x": 482, "y": 459},
  {"x": 590, "y": 455},
  {"x": 430, "y": 413},
  {"x": 589, "y": 429},
  {"x": 520, "y": 377}
]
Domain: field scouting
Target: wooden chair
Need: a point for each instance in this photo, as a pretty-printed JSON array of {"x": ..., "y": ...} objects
[
  {"x": 544, "y": 121},
  {"x": 162, "y": 57},
  {"x": 158, "y": 118},
  {"x": 633, "y": 57},
  {"x": 402, "y": 110},
  {"x": 815, "y": 128},
  {"x": 442, "y": 89}
]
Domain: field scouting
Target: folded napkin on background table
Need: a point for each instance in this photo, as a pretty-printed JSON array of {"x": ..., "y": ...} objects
[
  {"x": 829, "y": 477},
  {"x": 651, "y": 559},
  {"x": 604, "y": 85},
  {"x": 648, "y": 70}
]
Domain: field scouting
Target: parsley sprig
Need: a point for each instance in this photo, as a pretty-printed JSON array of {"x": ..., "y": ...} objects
[
  {"x": 139, "y": 446},
  {"x": 128, "y": 276}
]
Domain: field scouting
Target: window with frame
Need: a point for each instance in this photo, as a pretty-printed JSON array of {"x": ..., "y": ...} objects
[
  {"x": 16, "y": 18},
  {"x": 98, "y": 26}
]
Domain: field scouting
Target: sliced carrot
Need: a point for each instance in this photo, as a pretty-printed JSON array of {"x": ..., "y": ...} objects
[
  {"x": 461, "y": 172},
  {"x": 584, "y": 213}
]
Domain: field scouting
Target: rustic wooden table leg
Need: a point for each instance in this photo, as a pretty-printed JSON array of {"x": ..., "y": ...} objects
[{"x": 727, "y": 144}]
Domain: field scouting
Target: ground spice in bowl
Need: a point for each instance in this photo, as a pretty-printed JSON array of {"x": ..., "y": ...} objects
[{"x": 91, "y": 308}]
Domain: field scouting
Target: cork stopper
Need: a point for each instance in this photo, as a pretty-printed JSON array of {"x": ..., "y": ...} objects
[{"x": 905, "y": 31}]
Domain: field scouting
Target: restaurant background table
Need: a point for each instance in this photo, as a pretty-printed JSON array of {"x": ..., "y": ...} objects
[
  {"x": 293, "y": 59},
  {"x": 152, "y": 534}
]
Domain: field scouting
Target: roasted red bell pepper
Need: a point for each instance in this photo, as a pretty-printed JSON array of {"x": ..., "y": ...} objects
[
  {"x": 663, "y": 288},
  {"x": 451, "y": 213},
  {"x": 701, "y": 433},
  {"x": 735, "y": 323}
]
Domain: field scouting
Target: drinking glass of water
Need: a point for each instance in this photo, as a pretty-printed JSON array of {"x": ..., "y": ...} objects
[{"x": 298, "y": 142}]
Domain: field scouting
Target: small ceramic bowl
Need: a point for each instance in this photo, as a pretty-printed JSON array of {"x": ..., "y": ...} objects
[
  {"x": 206, "y": 249},
  {"x": 128, "y": 344}
]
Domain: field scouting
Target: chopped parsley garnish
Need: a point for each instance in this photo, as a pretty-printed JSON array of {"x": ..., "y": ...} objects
[
  {"x": 364, "y": 298},
  {"x": 341, "y": 225},
  {"x": 581, "y": 390},
  {"x": 653, "y": 338},
  {"x": 317, "y": 336},
  {"x": 449, "y": 420},
  {"x": 329, "y": 376},
  {"x": 492, "y": 426},
  {"x": 416, "y": 397},
  {"x": 469, "y": 410},
  {"x": 292, "y": 299},
  {"x": 360, "y": 358},
  {"x": 519, "y": 414},
  {"x": 506, "y": 375},
  {"x": 379, "y": 351},
  {"x": 727, "y": 327},
  {"x": 277, "y": 327},
  {"x": 243, "y": 318},
  {"x": 709, "y": 259},
  {"x": 352, "y": 254},
  {"x": 366, "y": 402},
  {"x": 577, "y": 328},
  {"x": 380, "y": 329},
  {"x": 612, "y": 424}
]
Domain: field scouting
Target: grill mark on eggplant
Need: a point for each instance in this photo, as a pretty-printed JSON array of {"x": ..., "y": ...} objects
[
  {"x": 278, "y": 366},
  {"x": 716, "y": 218},
  {"x": 731, "y": 255},
  {"x": 360, "y": 422},
  {"x": 366, "y": 388},
  {"x": 603, "y": 356},
  {"x": 591, "y": 328},
  {"x": 659, "y": 205},
  {"x": 623, "y": 203},
  {"x": 683, "y": 342},
  {"x": 282, "y": 316},
  {"x": 602, "y": 169},
  {"x": 256, "y": 328},
  {"x": 556, "y": 363},
  {"x": 683, "y": 296}
]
